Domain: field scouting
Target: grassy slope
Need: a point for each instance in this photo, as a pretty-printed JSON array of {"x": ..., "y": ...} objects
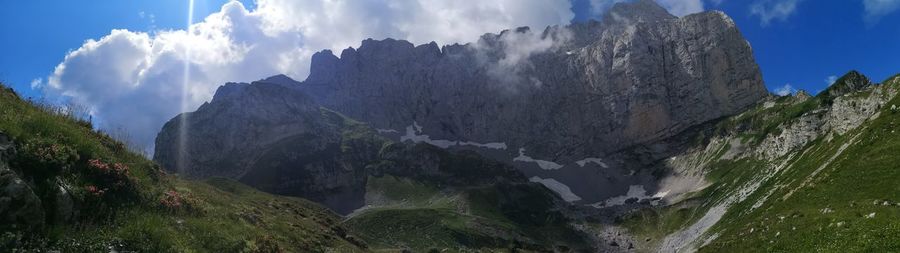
[
  {"x": 866, "y": 172},
  {"x": 213, "y": 216},
  {"x": 861, "y": 180}
]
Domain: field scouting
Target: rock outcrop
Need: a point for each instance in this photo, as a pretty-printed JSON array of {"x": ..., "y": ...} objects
[
  {"x": 845, "y": 105},
  {"x": 849, "y": 83},
  {"x": 19, "y": 205},
  {"x": 850, "y": 111}
]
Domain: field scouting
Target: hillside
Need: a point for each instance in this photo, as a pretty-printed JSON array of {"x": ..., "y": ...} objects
[
  {"x": 66, "y": 187},
  {"x": 794, "y": 174}
]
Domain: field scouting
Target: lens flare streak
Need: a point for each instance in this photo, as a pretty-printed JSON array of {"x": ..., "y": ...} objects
[{"x": 185, "y": 93}]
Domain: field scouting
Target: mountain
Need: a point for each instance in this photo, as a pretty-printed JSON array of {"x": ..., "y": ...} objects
[
  {"x": 584, "y": 112},
  {"x": 275, "y": 139},
  {"x": 568, "y": 103}
]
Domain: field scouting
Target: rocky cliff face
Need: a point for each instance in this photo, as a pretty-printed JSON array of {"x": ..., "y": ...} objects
[{"x": 564, "y": 93}]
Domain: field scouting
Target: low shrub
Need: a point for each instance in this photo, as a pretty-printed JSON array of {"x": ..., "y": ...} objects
[
  {"x": 180, "y": 202},
  {"x": 44, "y": 158},
  {"x": 105, "y": 182}
]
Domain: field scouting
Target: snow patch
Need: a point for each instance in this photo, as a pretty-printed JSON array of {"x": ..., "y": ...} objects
[
  {"x": 634, "y": 192},
  {"x": 384, "y": 131},
  {"x": 597, "y": 161},
  {"x": 492, "y": 145},
  {"x": 414, "y": 134},
  {"x": 563, "y": 190},
  {"x": 546, "y": 165}
]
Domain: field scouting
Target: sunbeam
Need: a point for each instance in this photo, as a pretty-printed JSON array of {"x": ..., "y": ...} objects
[{"x": 185, "y": 90}]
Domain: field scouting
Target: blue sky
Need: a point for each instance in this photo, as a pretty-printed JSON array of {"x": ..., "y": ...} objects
[
  {"x": 127, "y": 76},
  {"x": 38, "y": 33},
  {"x": 820, "y": 39}
]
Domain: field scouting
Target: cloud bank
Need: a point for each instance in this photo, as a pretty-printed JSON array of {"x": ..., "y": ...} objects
[{"x": 134, "y": 80}]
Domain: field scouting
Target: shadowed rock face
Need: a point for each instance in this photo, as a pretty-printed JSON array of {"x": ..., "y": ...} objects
[
  {"x": 273, "y": 138},
  {"x": 226, "y": 134},
  {"x": 589, "y": 89}
]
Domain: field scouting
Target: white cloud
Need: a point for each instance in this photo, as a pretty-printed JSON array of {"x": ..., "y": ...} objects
[
  {"x": 682, "y": 7},
  {"x": 769, "y": 10},
  {"x": 599, "y": 7},
  {"x": 875, "y": 9},
  {"x": 134, "y": 80},
  {"x": 785, "y": 90},
  {"x": 675, "y": 7},
  {"x": 37, "y": 83},
  {"x": 517, "y": 48},
  {"x": 830, "y": 80}
]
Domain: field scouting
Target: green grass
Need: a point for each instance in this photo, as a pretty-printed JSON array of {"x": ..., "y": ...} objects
[
  {"x": 406, "y": 191},
  {"x": 725, "y": 176},
  {"x": 426, "y": 228},
  {"x": 790, "y": 217},
  {"x": 854, "y": 185},
  {"x": 498, "y": 217},
  {"x": 216, "y": 216}
]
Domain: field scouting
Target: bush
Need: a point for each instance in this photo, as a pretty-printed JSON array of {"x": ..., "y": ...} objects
[
  {"x": 266, "y": 244},
  {"x": 43, "y": 158},
  {"x": 108, "y": 180},
  {"x": 180, "y": 202}
]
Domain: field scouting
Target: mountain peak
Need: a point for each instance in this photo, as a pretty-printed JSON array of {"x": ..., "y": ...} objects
[
  {"x": 280, "y": 79},
  {"x": 636, "y": 11},
  {"x": 851, "y": 82}
]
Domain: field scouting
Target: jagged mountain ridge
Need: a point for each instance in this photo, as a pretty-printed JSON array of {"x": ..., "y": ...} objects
[
  {"x": 561, "y": 112},
  {"x": 636, "y": 78}
]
